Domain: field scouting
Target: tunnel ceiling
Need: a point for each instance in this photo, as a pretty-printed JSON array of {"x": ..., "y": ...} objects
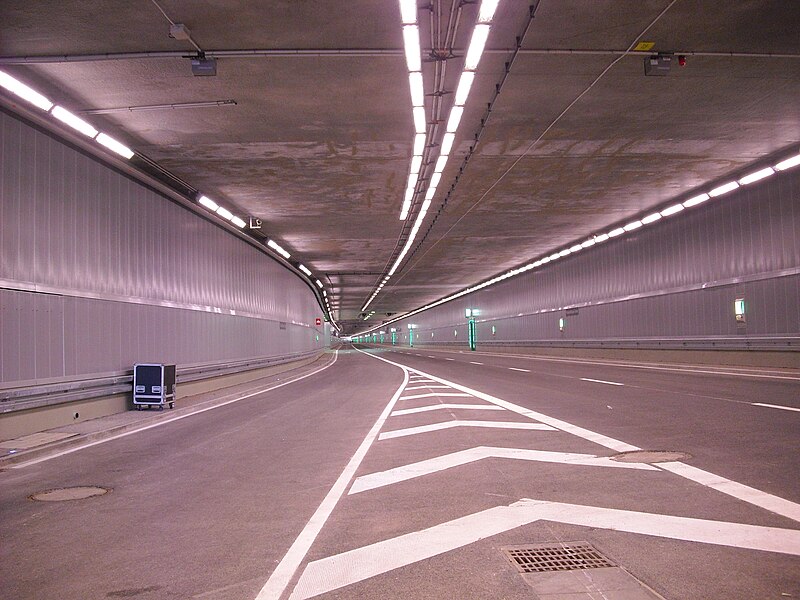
[{"x": 319, "y": 142}]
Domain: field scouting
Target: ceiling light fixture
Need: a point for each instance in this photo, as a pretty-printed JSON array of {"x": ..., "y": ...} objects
[
  {"x": 696, "y": 200},
  {"x": 440, "y": 163},
  {"x": 476, "y": 45},
  {"x": 723, "y": 189},
  {"x": 419, "y": 119},
  {"x": 319, "y": 283},
  {"x": 238, "y": 222},
  {"x": 224, "y": 213},
  {"x": 28, "y": 94},
  {"x": 419, "y": 144},
  {"x": 78, "y": 124},
  {"x": 788, "y": 163},
  {"x": 417, "y": 89},
  {"x": 757, "y": 176},
  {"x": 455, "y": 118},
  {"x": 486, "y": 12},
  {"x": 408, "y": 11},
  {"x": 671, "y": 210},
  {"x": 275, "y": 246},
  {"x": 114, "y": 145},
  {"x": 447, "y": 143},
  {"x": 651, "y": 218},
  {"x": 208, "y": 203},
  {"x": 412, "y": 47},
  {"x": 304, "y": 269},
  {"x": 464, "y": 85}
]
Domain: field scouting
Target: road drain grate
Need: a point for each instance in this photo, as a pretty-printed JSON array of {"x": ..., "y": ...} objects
[{"x": 570, "y": 556}]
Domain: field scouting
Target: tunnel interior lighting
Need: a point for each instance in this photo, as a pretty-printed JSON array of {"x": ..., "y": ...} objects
[
  {"x": 430, "y": 193},
  {"x": 671, "y": 210},
  {"x": 555, "y": 256},
  {"x": 565, "y": 252},
  {"x": 455, "y": 118},
  {"x": 114, "y": 145},
  {"x": 419, "y": 144},
  {"x": 440, "y": 163},
  {"x": 757, "y": 176},
  {"x": 616, "y": 232},
  {"x": 788, "y": 163},
  {"x": 416, "y": 163},
  {"x": 417, "y": 89},
  {"x": 574, "y": 248},
  {"x": 304, "y": 269},
  {"x": 476, "y": 45},
  {"x": 447, "y": 143},
  {"x": 652, "y": 218},
  {"x": 486, "y": 12},
  {"x": 224, "y": 213},
  {"x": 238, "y": 221},
  {"x": 405, "y": 209},
  {"x": 588, "y": 243},
  {"x": 723, "y": 189},
  {"x": 419, "y": 119},
  {"x": 464, "y": 85},
  {"x": 25, "y": 92},
  {"x": 412, "y": 47},
  {"x": 632, "y": 225},
  {"x": 319, "y": 283},
  {"x": 279, "y": 249},
  {"x": 78, "y": 124},
  {"x": 699, "y": 199},
  {"x": 435, "y": 178},
  {"x": 208, "y": 203},
  {"x": 408, "y": 11}
]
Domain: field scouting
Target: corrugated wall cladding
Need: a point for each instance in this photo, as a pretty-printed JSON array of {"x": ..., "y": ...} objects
[
  {"x": 70, "y": 225},
  {"x": 676, "y": 278}
]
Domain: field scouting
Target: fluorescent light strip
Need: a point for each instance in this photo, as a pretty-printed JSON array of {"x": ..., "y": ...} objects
[
  {"x": 28, "y": 94},
  {"x": 723, "y": 189},
  {"x": 476, "y": 45},
  {"x": 417, "y": 89},
  {"x": 671, "y": 210},
  {"x": 435, "y": 178},
  {"x": 238, "y": 222},
  {"x": 486, "y": 12},
  {"x": 304, "y": 269},
  {"x": 78, "y": 124},
  {"x": 788, "y": 163},
  {"x": 455, "y": 118},
  {"x": 416, "y": 163},
  {"x": 224, "y": 213},
  {"x": 696, "y": 200},
  {"x": 114, "y": 145},
  {"x": 651, "y": 218},
  {"x": 319, "y": 283},
  {"x": 419, "y": 144},
  {"x": 408, "y": 11},
  {"x": 464, "y": 85},
  {"x": 208, "y": 203},
  {"x": 420, "y": 122},
  {"x": 447, "y": 143},
  {"x": 412, "y": 47},
  {"x": 430, "y": 193},
  {"x": 275, "y": 246},
  {"x": 440, "y": 163},
  {"x": 632, "y": 225},
  {"x": 757, "y": 176}
]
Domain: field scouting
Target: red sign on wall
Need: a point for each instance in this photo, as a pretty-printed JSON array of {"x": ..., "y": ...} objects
[{"x": 318, "y": 322}]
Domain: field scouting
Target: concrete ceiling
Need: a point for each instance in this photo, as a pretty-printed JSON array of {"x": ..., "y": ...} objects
[{"x": 318, "y": 145}]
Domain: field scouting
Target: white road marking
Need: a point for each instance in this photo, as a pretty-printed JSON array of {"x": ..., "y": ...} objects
[
  {"x": 742, "y": 492},
  {"x": 420, "y": 409},
  {"x": 283, "y": 573},
  {"x": 435, "y": 395},
  {"x": 472, "y": 362},
  {"x": 776, "y": 406},
  {"x": 387, "y": 435},
  {"x": 457, "y": 459},
  {"x": 516, "y": 369},
  {"x": 429, "y": 387},
  {"x": 430, "y": 356},
  {"x": 165, "y": 421},
  {"x": 449, "y": 358},
  {"x": 356, "y": 565},
  {"x": 601, "y": 381}
]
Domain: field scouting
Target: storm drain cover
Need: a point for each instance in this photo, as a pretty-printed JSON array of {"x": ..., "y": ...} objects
[
  {"x": 70, "y": 493},
  {"x": 650, "y": 456},
  {"x": 570, "y": 556}
]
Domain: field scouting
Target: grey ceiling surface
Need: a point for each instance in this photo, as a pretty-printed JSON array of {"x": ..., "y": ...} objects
[{"x": 319, "y": 146}]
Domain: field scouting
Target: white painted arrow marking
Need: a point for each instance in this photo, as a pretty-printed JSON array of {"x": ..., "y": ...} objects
[
  {"x": 456, "y": 459},
  {"x": 420, "y": 409},
  {"x": 387, "y": 435},
  {"x": 359, "y": 564},
  {"x": 435, "y": 394}
]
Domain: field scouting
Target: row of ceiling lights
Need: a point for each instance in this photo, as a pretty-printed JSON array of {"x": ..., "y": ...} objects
[
  {"x": 669, "y": 211},
  {"x": 413, "y": 52},
  {"x": 40, "y": 101}
]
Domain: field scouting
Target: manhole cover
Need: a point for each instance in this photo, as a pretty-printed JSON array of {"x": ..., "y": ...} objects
[
  {"x": 569, "y": 556},
  {"x": 70, "y": 493},
  {"x": 650, "y": 456}
]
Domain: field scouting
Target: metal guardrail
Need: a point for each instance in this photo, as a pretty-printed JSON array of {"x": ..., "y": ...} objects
[{"x": 18, "y": 398}]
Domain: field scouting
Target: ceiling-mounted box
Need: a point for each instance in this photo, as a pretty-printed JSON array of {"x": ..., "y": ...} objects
[
  {"x": 204, "y": 67},
  {"x": 657, "y": 65}
]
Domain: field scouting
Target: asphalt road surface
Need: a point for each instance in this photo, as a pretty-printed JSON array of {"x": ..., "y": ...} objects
[{"x": 405, "y": 473}]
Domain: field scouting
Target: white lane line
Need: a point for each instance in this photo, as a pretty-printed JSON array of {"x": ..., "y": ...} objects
[
  {"x": 463, "y": 457},
  {"x": 283, "y": 573},
  {"x": 430, "y": 356},
  {"x": 449, "y": 358},
  {"x": 420, "y": 409},
  {"x": 516, "y": 369},
  {"x": 472, "y": 362},
  {"x": 600, "y": 381},
  {"x": 742, "y": 492},
  {"x": 429, "y": 387},
  {"x": 167, "y": 420},
  {"x": 776, "y": 406},
  {"x": 356, "y": 565},
  {"x": 388, "y": 435},
  {"x": 436, "y": 395}
]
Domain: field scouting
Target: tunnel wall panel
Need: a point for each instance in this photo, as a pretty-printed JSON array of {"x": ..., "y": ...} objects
[
  {"x": 98, "y": 272},
  {"x": 677, "y": 278}
]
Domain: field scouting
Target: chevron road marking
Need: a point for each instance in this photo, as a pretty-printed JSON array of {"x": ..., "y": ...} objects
[
  {"x": 463, "y": 457},
  {"x": 387, "y": 435},
  {"x": 421, "y": 409},
  {"x": 356, "y": 565}
]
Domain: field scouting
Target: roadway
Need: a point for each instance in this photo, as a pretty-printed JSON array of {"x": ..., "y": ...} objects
[{"x": 403, "y": 472}]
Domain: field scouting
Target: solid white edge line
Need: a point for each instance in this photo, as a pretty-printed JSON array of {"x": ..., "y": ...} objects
[
  {"x": 516, "y": 369},
  {"x": 168, "y": 420},
  {"x": 753, "y": 496},
  {"x": 600, "y": 381},
  {"x": 776, "y": 406},
  {"x": 284, "y": 572}
]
